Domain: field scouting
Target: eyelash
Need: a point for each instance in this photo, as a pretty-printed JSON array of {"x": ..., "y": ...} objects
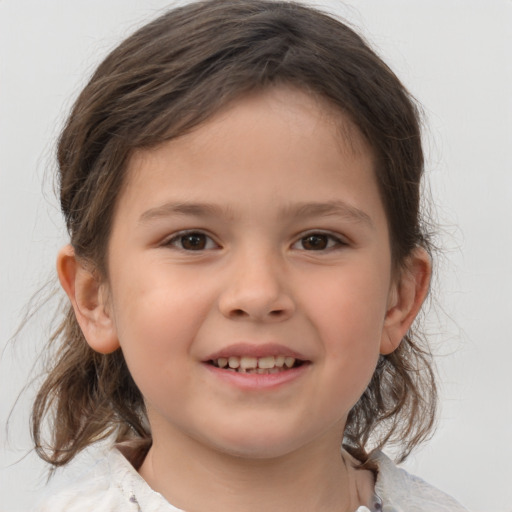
[
  {"x": 179, "y": 238},
  {"x": 332, "y": 241}
]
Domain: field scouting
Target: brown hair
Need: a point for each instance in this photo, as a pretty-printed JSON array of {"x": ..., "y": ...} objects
[{"x": 167, "y": 78}]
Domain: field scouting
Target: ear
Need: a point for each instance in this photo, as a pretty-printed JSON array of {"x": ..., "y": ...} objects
[
  {"x": 405, "y": 299},
  {"x": 89, "y": 299}
]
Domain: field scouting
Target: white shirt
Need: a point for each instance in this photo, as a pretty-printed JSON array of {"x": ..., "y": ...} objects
[{"x": 113, "y": 485}]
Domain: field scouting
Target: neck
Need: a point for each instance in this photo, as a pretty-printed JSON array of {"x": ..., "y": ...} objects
[{"x": 196, "y": 478}]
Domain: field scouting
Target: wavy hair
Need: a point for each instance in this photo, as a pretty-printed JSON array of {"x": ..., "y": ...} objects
[{"x": 164, "y": 80}]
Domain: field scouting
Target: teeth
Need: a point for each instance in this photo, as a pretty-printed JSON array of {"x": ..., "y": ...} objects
[
  {"x": 261, "y": 365},
  {"x": 248, "y": 362},
  {"x": 234, "y": 362},
  {"x": 266, "y": 362},
  {"x": 289, "y": 361}
]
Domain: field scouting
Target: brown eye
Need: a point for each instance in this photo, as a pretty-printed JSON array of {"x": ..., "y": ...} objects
[
  {"x": 192, "y": 241},
  {"x": 316, "y": 242}
]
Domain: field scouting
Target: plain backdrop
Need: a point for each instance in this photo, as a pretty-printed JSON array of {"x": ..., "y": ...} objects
[{"x": 453, "y": 55}]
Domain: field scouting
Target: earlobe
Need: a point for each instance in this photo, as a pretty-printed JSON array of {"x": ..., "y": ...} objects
[
  {"x": 405, "y": 299},
  {"x": 89, "y": 300}
]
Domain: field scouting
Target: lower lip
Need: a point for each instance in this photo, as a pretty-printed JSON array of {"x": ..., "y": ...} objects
[{"x": 257, "y": 381}]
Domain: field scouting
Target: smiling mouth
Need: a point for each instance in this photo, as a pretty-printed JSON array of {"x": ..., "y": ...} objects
[{"x": 256, "y": 365}]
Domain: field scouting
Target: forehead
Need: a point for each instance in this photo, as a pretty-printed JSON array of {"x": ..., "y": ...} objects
[
  {"x": 291, "y": 104},
  {"x": 280, "y": 142}
]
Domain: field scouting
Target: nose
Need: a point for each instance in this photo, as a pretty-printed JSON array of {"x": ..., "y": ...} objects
[{"x": 257, "y": 288}]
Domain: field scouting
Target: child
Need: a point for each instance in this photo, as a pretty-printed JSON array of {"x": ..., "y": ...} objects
[{"x": 240, "y": 180}]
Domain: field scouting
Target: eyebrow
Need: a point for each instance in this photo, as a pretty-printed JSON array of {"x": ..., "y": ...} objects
[
  {"x": 297, "y": 210},
  {"x": 329, "y": 209},
  {"x": 183, "y": 208}
]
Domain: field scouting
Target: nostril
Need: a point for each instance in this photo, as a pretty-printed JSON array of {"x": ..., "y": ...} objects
[{"x": 240, "y": 313}]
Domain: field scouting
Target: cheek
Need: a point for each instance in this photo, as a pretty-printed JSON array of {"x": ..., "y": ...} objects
[
  {"x": 351, "y": 303},
  {"x": 156, "y": 318},
  {"x": 348, "y": 314},
  {"x": 154, "y": 298}
]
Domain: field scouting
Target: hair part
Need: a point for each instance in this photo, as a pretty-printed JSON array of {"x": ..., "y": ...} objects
[{"x": 164, "y": 80}]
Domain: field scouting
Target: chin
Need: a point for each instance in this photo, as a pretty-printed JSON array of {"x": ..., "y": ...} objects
[
  {"x": 258, "y": 444},
  {"x": 256, "y": 451}
]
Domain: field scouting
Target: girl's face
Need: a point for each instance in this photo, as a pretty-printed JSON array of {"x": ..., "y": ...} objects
[{"x": 259, "y": 239}]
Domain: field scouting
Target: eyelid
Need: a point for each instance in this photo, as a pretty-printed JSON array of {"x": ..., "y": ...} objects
[
  {"x": 340, "y": 241},
  {"x": 172, "y": 240}
]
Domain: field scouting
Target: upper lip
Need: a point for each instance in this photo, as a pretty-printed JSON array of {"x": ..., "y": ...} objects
[{"x": 256, "y": 350}]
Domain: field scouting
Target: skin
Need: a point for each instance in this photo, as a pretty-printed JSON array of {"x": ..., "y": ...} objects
[{"x": 273, "y": 170}]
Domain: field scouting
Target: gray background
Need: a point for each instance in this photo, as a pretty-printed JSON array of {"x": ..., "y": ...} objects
[{"x": 454, "y": 56}]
